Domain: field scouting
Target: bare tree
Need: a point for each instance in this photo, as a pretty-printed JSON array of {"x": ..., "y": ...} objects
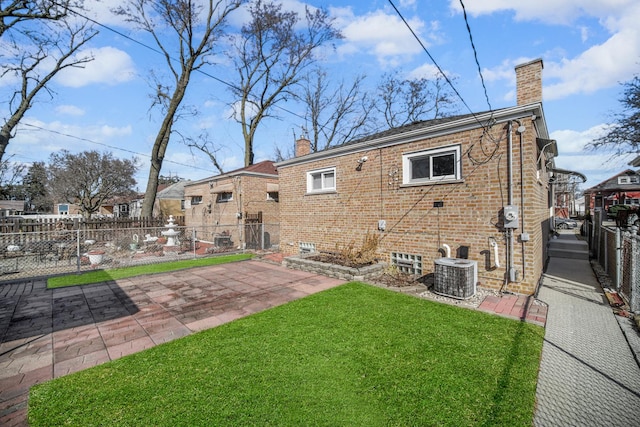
[
  {"x": 271, "y": 52},
  {"x": 32, "y": 58},
  {"x": 624, "y": 133},
  {"x": 202, "y": 143},
  {"x": 13, "y": 13},
  {"x": 89, "y": 178},
  {"x": 335, "y": 114},
  {"x": 196, "y": 27},
  {"x": 407, "y": 101}
]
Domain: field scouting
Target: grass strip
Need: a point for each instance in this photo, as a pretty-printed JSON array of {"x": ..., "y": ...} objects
[
  {"x": 355, "y": 355},
  {"x": 97, "y": 276}
]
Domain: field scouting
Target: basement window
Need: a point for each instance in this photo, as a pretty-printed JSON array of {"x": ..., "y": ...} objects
[
  {"x": 321, "y": 180},
  {"x": 407, "y": 263},
  {"x": 430, "y": 166},
  {"x": 306, "y": 248}
]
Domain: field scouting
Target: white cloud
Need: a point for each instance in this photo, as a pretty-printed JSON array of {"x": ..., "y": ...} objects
[
  {"x": 427, "y": 71},
  {"x": 110, "y": 66},
  {"x": 547, "y": 11},
  {"x": 572, "y": 141},
  {"x": 596, "y": 165},
  {"x": 383, "y": 35},
  {"x": 598, "y": 67},
  {"x": 69, "y": 110},
  {"x": 601, "y": 66},
  {"x": 39, "y": 138}
]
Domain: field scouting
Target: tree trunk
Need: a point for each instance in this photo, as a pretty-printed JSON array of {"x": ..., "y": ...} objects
[{"x": 161, "y": 143}]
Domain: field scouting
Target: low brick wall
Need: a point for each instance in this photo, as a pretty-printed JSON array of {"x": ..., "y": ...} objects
[{"x": 301, "y": 262}]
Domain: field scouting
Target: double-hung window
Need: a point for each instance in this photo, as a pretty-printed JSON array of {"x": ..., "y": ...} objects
[
  {"x": 432, "y": 166},
  {"x": 321, "y": 180}
]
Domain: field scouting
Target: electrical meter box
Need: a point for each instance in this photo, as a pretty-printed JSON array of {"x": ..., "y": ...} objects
[{"x": 510, "y": 216}]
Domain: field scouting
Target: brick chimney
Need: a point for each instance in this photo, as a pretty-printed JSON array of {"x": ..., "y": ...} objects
[
  {"x": 303, "y": 146},
  {"x": 529, "y": 82}
]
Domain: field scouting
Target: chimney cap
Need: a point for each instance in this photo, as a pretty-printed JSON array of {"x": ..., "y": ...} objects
[{"x": 530, "y": 63}]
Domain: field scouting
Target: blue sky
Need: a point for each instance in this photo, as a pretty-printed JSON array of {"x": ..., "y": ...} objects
[{"x": 588, "y": 47}]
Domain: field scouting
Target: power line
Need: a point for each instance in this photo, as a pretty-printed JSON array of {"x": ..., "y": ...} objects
[
  {"x": 475, "y": 54},
  {"x": 455, "y": 90},
  {"x": 108, "y": 146}
]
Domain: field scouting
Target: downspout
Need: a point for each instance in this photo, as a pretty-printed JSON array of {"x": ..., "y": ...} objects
[
  {"x": 509, "y": 272},
  {"x": 521, "y": 130}
]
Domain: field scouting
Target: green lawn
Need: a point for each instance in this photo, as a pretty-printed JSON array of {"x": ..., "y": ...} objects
[
  {"x": 97, "y": 276},
  {"x": 355, "y": 355}
]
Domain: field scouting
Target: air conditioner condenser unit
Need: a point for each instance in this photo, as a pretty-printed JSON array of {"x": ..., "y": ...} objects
[{"x": 455, "y": 277}]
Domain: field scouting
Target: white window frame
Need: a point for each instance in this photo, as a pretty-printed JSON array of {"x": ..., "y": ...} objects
[
  {"x": 408, "y": 158},
  {"x": 324, "y": 187},
  {"x": 224, "y": 197}
]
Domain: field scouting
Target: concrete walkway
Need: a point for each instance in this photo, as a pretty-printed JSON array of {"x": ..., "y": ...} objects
[{"x": 588, "y": 373}]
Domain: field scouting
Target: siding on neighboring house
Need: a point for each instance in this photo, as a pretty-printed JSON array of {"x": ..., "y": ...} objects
[
  {"x": 622, "y": 188},
  {"x": 371, "y": 186},
  {"x": 170, "y": 200}
]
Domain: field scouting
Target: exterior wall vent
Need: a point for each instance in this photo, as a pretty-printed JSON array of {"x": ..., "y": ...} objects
[
  {"x": 407, "y": 263},
  {"x": 455, "y": 277},
  {"x": 306, "y": 248}
]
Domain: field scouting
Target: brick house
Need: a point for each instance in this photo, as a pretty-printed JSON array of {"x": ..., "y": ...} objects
[
  {"x": 473, "y": 186},
  {"x": 620, "y": 189},
  {"x": 225, "y": 208}
]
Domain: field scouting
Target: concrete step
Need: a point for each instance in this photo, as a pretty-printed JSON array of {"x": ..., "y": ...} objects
[
  {"x": 567, "y": 253},
  {"x": 570, "y": 245}
]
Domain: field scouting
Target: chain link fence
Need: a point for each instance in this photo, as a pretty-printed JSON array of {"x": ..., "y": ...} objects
[
  {"x": 46, "y": 253},
  {"x": 617, "y": 250}
]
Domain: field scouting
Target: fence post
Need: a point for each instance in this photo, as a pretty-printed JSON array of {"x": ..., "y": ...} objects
[
  {"x": 634, "y": 275},
  {"x": 618, "y": 255},
  {"x": 193, "y": 240},
  {"x": 78, "y": 250},
  {"x": 262, "y": 236}
]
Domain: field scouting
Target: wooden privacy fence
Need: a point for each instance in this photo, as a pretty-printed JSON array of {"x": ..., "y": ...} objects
[{"x": 43, "y": 225}]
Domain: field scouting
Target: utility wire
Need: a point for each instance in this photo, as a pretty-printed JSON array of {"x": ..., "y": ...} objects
[
  {"x": 108, "y": 146},
  {"x": 455, "y": 90},
  {"x": 155, "y": 50},
  {"x": 431, "y": 57},
  {"x": 475, "y": 54}
]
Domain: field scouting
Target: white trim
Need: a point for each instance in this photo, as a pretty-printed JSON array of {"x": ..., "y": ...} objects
[
  {"x": 323, "y": 180},
  {"x": 409, "y": 158}
]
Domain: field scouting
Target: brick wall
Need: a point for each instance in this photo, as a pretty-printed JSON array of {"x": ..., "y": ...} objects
[
  {"x": 249, "y": 196},
  {"x": 529, "y": 82},
  {"x": 470, "y": 215}
]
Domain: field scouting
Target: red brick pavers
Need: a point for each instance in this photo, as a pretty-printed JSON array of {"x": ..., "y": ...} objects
[
  {"x": 46, "y": 334},
  {"x": 521, "y": 307}
]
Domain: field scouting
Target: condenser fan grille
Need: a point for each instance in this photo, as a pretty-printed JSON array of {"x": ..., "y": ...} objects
[{"x": 455, "y": 277}]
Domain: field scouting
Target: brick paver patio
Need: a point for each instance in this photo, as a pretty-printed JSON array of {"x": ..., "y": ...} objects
[{"x": 50, "y": 333}]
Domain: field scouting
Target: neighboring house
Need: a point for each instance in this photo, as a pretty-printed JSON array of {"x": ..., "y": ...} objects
[
  {"x": 620, "y": 189},
  {"x": 477, "y": 185},
  {"x": 170, "y": 200},
  {"x": 12, "y": 207},
  {"x": 225, "y": 207},
  {"x": 65, "y": 209}
]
